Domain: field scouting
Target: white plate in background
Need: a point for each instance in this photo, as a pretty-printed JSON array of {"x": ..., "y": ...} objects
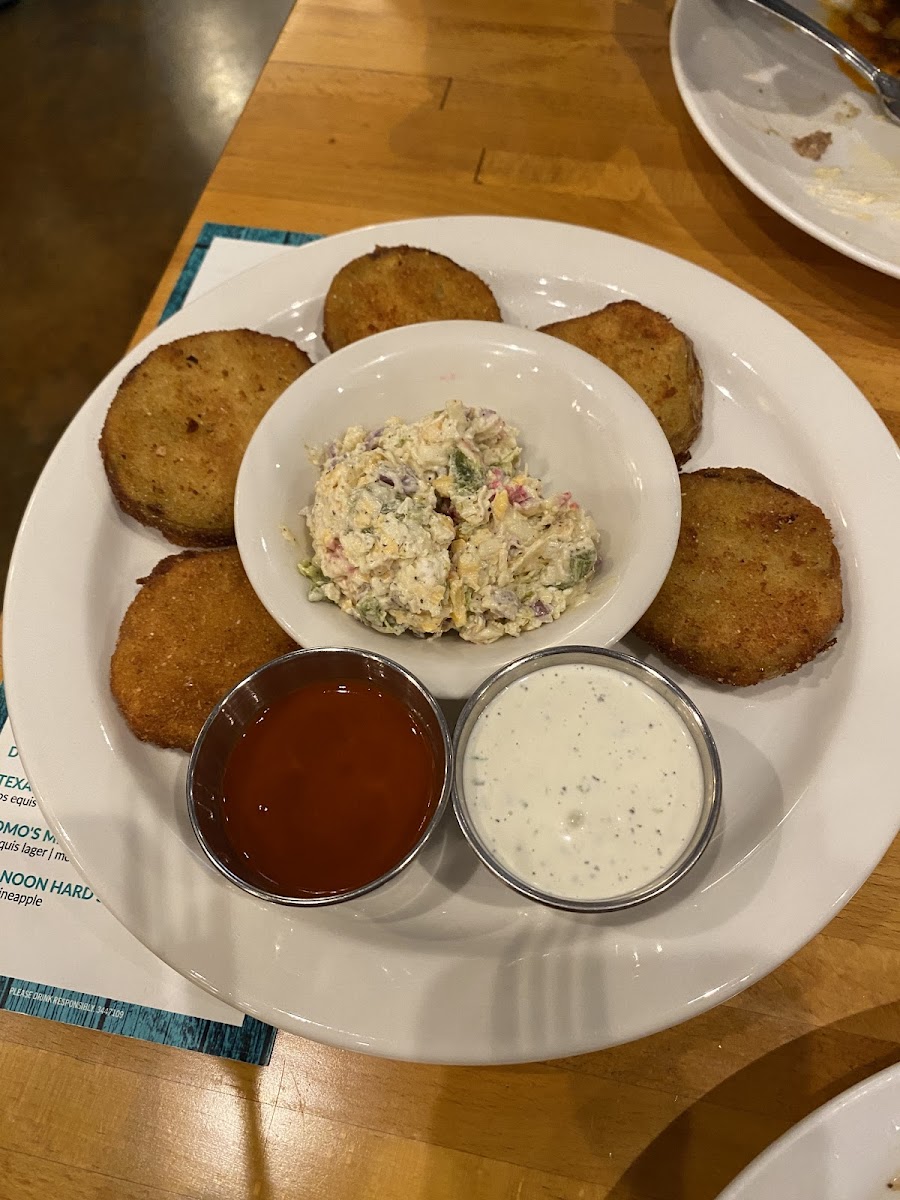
[
  {"x": 848, "y": 1149},
  {"x": 753, "y": 83}
]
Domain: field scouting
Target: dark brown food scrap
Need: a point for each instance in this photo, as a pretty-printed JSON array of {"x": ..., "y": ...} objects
[{"x": 813, "y": 145}]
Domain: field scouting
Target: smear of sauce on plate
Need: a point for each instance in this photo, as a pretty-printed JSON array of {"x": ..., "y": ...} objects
[{"x": 873, "y": 28}]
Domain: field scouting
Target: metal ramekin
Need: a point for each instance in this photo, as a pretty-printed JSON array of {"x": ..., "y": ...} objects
[
  {"x": 246, "y": 701},
  {"x": 684, "y": 707}
]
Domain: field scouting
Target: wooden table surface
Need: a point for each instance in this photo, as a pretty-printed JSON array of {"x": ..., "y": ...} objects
[{"x": 379, "y": 109}]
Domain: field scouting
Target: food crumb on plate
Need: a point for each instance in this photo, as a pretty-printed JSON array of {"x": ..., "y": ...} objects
[
  {"x": 812, "y": 145},
  {"x": 846, "y": 112}
]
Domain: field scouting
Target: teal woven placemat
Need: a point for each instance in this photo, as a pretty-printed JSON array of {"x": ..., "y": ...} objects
[{"x": 240, "y": 233}]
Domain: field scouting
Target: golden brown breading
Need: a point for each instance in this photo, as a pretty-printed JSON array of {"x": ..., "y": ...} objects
[
  {"x": 180, "y": 422},
  {"x": 402, "y": 285},
  {"x": 754, "y": 590},
  {"x": 651, "y": 355},
  {"x": 193, "y": 631}
]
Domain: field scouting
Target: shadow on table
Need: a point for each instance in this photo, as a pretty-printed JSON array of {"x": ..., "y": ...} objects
[
  {"x": 698, "y": 1154},
  {"x": 175, "y": 912},
  {"x": 568, "y": 1120},
  {"x": 255, "y": 1152}
]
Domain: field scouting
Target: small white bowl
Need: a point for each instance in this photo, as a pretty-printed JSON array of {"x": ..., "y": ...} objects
[{"x": 583, "y": 430}]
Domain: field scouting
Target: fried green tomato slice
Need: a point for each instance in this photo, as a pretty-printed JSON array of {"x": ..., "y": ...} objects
[
  {"x": 193, "y": 631},
  {"x": 651, "y": 355},
  {"x": 402, "y": 285},
  {"x": 177, "y": 429},
  {"x": 754, "y": 590}
]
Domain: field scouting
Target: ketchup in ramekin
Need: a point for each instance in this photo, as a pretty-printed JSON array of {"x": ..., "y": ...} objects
[
  {"x": 320, "y": 776},
  {"x": 329, "y": 788}
]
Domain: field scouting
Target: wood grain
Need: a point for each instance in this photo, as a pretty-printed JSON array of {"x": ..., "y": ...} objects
[{"x": 564, "y": 109}]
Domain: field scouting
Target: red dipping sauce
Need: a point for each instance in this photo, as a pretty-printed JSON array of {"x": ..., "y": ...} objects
[{"x": 330, "y": 788}]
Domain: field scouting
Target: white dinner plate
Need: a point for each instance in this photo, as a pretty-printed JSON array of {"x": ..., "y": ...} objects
[
  {"x": 752, "y": 84},
  {"x": 848, "y": 1149},
  {"x": 445, "y": 963}
]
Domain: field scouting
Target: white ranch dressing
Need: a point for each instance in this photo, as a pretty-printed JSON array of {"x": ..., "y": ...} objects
[{"x": 583, "y": 781}]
